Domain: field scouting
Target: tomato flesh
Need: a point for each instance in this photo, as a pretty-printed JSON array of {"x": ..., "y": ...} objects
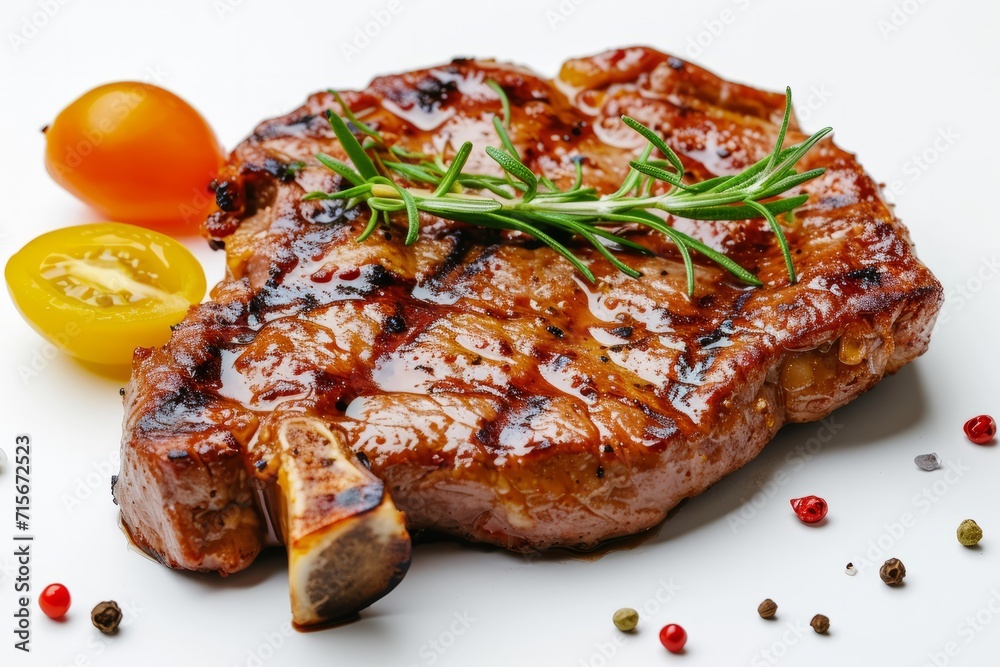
[
  {"x": 136, "y": 153},
  {"x": 99, "y": 291}
]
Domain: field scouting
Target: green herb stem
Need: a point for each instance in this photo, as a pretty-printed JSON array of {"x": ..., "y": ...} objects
[{"x": 527, "y": 202}]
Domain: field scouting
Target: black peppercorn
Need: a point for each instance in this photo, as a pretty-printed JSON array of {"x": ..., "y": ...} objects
[
  {"x": 106, "y": 617},
  {"x": 767, "y": 609},
  {"x": 820, "y": 624},
  {"x": 892, "y": 572}
]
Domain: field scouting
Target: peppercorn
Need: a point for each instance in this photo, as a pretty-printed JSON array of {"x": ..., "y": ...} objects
[
  {"x": 850, "y": 570},
  {"x": 810, "y": 509},
  {"x": 673, "y": 637},
  {"x": 892, "y": 572},
  {"x": 767, "y": 608},
  {"x": 106, "y": 617},
  {"x": 820, "y": 624},
  {"x": 928, "y": 462},
  {"x": 969, "y": 533},
  {"x": 981, "y": 429},
  {"x": 626, "y": 619},
  {"x": 55, "y": 601}
]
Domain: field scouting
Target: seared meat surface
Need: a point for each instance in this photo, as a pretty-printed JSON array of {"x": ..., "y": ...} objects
[{"x": 498, "y": 395}]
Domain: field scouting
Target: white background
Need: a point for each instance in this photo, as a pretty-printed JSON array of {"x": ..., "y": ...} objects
[{"x": 889, "y": 95}]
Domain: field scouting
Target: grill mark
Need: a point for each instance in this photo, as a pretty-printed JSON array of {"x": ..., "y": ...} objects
[
  {"x": 476, "y": 265},
  {"x": 665, "y": 422},
  {"x": 305, "y": 123},
  {"x": 415, "y": 319},
  {"x": 453, "y": 259},
  {"x": 525, "y": 409},
  {"x": 476, "y": 262}
]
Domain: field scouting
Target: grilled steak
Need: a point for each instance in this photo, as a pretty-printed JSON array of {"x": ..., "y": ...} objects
[{"x": 496, "y": 394}]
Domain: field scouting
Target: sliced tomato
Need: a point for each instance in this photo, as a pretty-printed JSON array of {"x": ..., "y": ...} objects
[{"x": 99, "y": 291}]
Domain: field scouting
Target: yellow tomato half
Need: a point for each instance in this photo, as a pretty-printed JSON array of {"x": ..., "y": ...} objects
[{"x": 99, "y": 291}]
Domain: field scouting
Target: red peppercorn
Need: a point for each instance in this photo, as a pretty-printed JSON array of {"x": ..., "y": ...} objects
[
  {"x": 673, "y": 638},
  {"x": 54, "y": 601},
  {"x": 809, "y": 509},
  {"x": 981, "y": 429}
]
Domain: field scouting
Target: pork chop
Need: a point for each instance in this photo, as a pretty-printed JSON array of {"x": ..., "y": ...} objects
[{"x": 498, "y": 395}]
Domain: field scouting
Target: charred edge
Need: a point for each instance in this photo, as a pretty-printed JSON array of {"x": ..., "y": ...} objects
[
  {"x": 259, "y": 190},
  {"x": 431, "y": 92},
  {"x": 227, "y": 196},
  {"x": 354, "y": 501},
  {"x": 174, "y": 410},
  {"x": 282, "y": 171},
  {"x": 306, "y": 123},
  {"x": 868, "y": 276}
]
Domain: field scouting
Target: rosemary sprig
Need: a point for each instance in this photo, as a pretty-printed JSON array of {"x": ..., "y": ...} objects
[{"x": 531, "y": 203}]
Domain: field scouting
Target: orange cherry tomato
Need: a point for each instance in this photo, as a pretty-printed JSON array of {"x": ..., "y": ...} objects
[{"x": 136, "y": 153}]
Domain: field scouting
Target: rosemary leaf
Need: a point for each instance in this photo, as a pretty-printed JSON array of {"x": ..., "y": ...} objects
[{"x": 514, "y": 201}]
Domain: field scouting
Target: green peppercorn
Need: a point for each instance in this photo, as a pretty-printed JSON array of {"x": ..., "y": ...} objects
[
  {"x": 626, "y": 619},
  {"x": 969, "y": 533}
]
